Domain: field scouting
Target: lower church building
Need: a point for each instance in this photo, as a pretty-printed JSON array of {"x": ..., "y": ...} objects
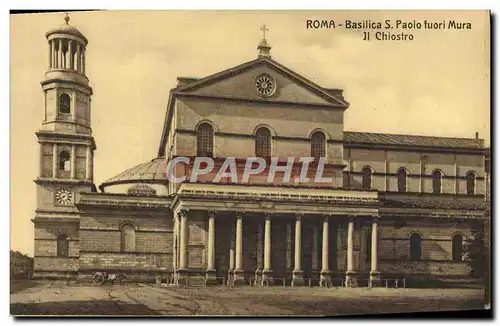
[{"x": 396, "y": 206}]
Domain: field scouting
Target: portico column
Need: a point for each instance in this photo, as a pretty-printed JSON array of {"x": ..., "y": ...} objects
[
  {"x": 350, "y": 278},
  {"x": 211, "y": 273},
  {"x": 232, "y": 243},
  {"x": 182, "y": 272},
  {"x": 298, "y": 274},
  {"x": 238, "y": 271},
  {"x": 374, "y": 272},
  {"x": 325, "y": 277},
  {"x": 267, "y": 272},
  {"x": 260, "y": 252}
]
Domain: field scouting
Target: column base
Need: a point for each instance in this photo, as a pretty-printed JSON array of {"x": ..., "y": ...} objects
[
  {"x": 258, "y": 277},
  {"x": 325, "y": 279},
  {"x": 297, "y": 278},
  {"x": 211, "y": 277},
  {"x": 230, "y": 277},
  {"x": 239, "y": 277},
  {"x": 267, "y": 277},
  {"x": 182, "y": 276},
  {"x": 374, "y": 280},
  {"x": 351, "y": 279}
]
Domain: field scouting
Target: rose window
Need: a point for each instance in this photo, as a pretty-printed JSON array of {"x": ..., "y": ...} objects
[{"x": 265, "y": 85}]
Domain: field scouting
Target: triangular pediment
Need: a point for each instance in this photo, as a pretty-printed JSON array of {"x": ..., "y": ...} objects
[{"x": 262, "y": 79}]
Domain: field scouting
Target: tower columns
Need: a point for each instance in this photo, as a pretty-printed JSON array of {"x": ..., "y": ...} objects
[
  {"x": 73, "y": 161},
  {"x": 70, "y": 52},
  {"x": 78, "y": 57},
  {"x": 54, "y": 160}
]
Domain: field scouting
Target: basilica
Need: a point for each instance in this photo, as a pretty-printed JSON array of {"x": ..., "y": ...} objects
[{"x": 397, "y": 208}]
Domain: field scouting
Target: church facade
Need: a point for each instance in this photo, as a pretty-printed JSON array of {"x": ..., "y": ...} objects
[{"x": 396, "y": 206}]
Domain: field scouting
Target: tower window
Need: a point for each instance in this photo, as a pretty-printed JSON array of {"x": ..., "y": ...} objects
[
  {"x": 366, "y": 179},
  {"x": 263, "y": 143},
  {"x": 62, "y": 246},
  {"x": 127, "y": 238},
  {"x": 205, "y": 140},
  {"x": 64, "y": 103},
  {"x": 402, "y": 179},
  {"x": 436, "y": 181},
  {"x": 415, "y": 246},
  {"x": 318, "y": 142},
  {"x": 456, "y": 250},
  {"x": 471, "y": 183},
  {"x": 64, "y": 161}
]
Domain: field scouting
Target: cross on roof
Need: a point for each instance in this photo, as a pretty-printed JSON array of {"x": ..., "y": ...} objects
[{"x": 264, "y": 29}]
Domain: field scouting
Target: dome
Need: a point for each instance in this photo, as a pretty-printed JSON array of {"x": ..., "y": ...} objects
[
  {"x": 141, "y": 190},
  {"x": 67, "y": 29},
  {"x": 154, "y": 171}
]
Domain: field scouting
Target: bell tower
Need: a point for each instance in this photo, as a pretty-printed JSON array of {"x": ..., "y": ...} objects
[{"x": 66, "y": 152}]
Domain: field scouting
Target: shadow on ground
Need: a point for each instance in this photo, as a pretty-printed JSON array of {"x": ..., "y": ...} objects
[
  {"x": 19, "y": 285},
  {"x": 92, "y": 307}
]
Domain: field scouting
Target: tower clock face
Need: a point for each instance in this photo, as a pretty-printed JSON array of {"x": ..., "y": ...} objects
[{"x": 64, "y": 197}]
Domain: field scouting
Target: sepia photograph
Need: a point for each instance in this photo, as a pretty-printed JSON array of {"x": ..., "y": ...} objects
[{"x": 250, "y": 163}]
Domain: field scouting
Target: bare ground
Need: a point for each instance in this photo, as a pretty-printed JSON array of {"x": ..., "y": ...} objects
[{"x": 57, "y": 298}]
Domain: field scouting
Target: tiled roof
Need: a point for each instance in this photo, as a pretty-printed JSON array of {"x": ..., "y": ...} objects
[
  {"x": 434, "y": 202},
  {"x": 410, "y": 140},
  {"x": 149, "y": 171}
]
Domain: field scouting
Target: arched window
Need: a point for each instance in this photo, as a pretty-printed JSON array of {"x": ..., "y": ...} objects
[
  {"x": 127, "y": 238},
  {"x": 436, "y": 181},
  {"x": 62, "y": 246},
  {"x": 263, "y": 143},
  {"x": 205, "y": 140},
  {"x": 456, "y": 247},
  {"x": 415, "y": 246},
  {"x": 366, "y": 181},
  {"x": 471, "y": 183},
  {"x": 318, "y": 145},
  {"x": 64, "y": 103},
  {"x": 402, "y": 179},
  {"x": 64, "y": 161}
]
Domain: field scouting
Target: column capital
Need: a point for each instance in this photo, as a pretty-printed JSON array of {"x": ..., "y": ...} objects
[
  {"x": 183, "y": 211},
  {"x": 375, "y": 218},
  {"x": 299, "y": 216},
  {"x": 351, "y": 218},
  {"x": 268, "y": 215},
  {"x": 212, "y": 213},
  {"x": 240, "y": 213}
]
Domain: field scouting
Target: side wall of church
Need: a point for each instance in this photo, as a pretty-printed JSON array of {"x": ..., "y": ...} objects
[
  {"x": 386, "y": 163},
  {"x": 102, "y": 244}
]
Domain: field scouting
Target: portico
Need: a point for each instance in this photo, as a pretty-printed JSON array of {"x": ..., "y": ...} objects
[{"x": 268, "y": 238}]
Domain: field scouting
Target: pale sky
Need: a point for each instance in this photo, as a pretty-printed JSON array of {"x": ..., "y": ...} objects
[{"x": 437, "y": 84}]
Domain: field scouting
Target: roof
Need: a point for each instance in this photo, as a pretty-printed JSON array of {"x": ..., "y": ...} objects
[
  {"x": 351, "y": 137},
  {"x": 152, "y": 171},
  {"x": 67, "y": 29},
  {"x": 433, "y": 202}
]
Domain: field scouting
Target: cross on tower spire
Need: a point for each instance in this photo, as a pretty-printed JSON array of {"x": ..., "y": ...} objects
[
  {"x": 264, "y": 29},
  {"x": 264, "y": 48}
]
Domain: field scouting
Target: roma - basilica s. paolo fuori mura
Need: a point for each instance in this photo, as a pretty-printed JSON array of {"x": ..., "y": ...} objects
[{"x": 398, "y": 207}]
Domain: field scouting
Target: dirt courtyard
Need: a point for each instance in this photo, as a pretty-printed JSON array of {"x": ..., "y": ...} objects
[{"x": 57, "y": 298}]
